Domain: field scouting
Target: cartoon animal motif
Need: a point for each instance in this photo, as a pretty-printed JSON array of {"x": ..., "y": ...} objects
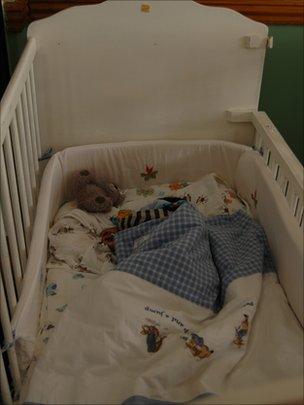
[
  {"x": 64, "y": 229},
  {"x": 77, "y": 276},
  {"x": 82, "y": 269},
  {"x": 177, "y": 186},
  {"x": 225, "y": 210},
  {"x": 250, "y": 304},
  {"x": 241, "y": 332},
  {"x": 188, "y": 197},
  {"x": 150, "y": 173},
  {"x": 61, "y": 308},
  {"x": 154, "y": 339},
  {"x": 145, "y": 192},
  {"x": 220, "y": 180},
  {"x": 124, "y": 213},
  {"x": 108, "y": 237},
  {"x": 229, "y": 197},
  {"x": 197, "y": 347},
  {"x": 51, "y": 289},
  {"x": 202, "y": 199}
]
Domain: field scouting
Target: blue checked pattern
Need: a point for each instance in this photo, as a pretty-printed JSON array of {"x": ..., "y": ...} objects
[
  {"x": 239, "y": 248},
  {"x": 194, "y": 257}
]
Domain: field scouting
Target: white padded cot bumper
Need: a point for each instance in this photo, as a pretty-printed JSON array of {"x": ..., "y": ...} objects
[{"x": 123, "y": 164}]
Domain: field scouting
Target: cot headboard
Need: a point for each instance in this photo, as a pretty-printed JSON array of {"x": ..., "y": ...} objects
[{"x": 144, "y": 70}]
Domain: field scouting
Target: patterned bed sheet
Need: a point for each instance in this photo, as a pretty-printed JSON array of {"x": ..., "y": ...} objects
[{"x": 77, "y": 256}]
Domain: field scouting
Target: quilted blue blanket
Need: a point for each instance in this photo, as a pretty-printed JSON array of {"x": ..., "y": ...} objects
[{"x": 195, "y": 257}]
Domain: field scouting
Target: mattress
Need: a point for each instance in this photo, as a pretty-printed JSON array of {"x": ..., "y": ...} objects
[{"x": 77, "y": 256}]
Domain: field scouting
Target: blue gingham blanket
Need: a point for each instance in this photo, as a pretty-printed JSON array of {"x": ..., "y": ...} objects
[{"x": 193, "y": 256}]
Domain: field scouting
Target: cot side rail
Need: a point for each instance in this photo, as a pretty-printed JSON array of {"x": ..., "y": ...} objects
[
  {"x": 285, "y": 168},
  {"x": 20, "y": 151}
]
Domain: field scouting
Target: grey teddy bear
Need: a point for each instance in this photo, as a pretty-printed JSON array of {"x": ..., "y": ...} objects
[{"x": 94, "y": 195}]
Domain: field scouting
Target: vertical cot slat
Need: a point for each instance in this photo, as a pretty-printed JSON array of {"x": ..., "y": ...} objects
[
  {"x": 265, "y": 154},
  {"x": 282, "y": 181},
  {"x": 10, "y": 228},
  {"x": 28, "y": 143},
  {"x": 9, "y": 339},
  {"x": 260, "y": 143},
  {"x": 261, "y": 147},
  {"x": 299, "y": 209},
  {"x": 288, "y": 193},
  {"x": 28, "y": 129},
  {"x": 257, "y": 141},
  {"x": 274, "y": 168},
  {"x": 22, "y": 193},
  {"x": 22, "y": 166},
  {"x": 10, "y": 189},
  {"x": 10, "y": 192},
  {"x": 301, "y": 215},
  {"x": 268, "y": 157},
  {"x": 5, "y": 388},
  {"x": 271, "y": 163},
  {"x": 29, "y": 96},
  {"x": 32, "y": 80},
  {"x": 295, "y": 205},
  {"x": 7, "y": 269},
  {"x": 277, "y": 172},
  {"x": 286, "y": 187},
  {"x": 290, "y": 197}
]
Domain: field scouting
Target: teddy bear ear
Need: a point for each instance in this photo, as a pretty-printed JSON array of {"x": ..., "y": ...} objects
[{"x": 84, "y": 172}]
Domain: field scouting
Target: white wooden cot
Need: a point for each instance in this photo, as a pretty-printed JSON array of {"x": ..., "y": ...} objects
[{"x": 115, "y": 72}]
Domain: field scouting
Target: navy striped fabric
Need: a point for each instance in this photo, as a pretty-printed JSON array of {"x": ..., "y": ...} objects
[{"x": 139, "y": 217}]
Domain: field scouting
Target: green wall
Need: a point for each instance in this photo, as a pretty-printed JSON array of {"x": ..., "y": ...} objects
[
  {"x": 282, "y": 87},
  {"x": 15, "y": 45}
]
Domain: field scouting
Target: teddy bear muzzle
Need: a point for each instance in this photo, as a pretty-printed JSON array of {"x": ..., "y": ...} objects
[{"x": 93, "y": 199}]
